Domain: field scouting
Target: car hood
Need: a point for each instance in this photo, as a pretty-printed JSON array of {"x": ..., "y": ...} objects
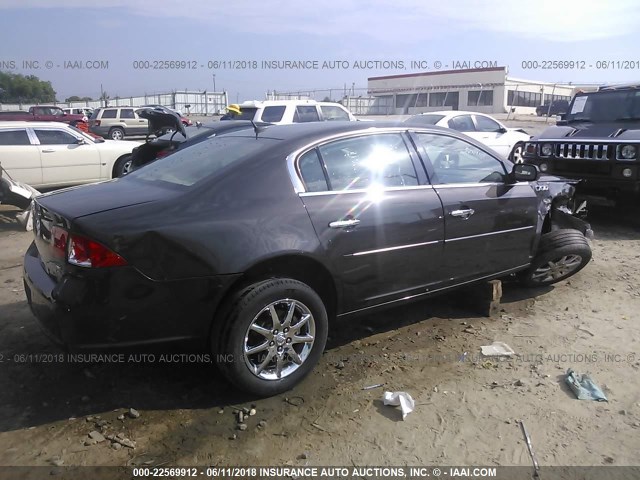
[
  {"x": 592, "y": 131},
  {"x": 161, "y": 119}
]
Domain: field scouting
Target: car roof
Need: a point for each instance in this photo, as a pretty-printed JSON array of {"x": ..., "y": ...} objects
[
  {"x": 21, "y": 123},
  {"x": 266, "y": 103}
]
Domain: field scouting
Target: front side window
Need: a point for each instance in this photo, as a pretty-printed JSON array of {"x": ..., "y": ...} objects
[
  {"x": 456, "y": 161},
  {"x": 462, "y": 123},
  {"x": 330, "y": 112},
  {"x": 55, "y": 137},
  {"x": 486, "y": 124},
  {"x": 14, "y": 137},
  {"x": 368, "y": 161},
  {"x": 273, "y": 114}
]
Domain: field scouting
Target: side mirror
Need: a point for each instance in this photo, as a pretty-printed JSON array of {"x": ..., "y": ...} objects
[
  {"x": 80, "y": 141},
  {"x": 502, "y": 130},
  {"x": 523, "y": 172}
]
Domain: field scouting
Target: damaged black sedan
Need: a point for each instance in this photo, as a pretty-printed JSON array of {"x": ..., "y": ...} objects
[{"x": 246, "y": 244}]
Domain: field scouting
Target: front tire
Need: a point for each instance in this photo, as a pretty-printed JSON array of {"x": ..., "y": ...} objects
[
  {"x": 516, "y": 153},
  {"x": 562, "y": 254},
  {"x": 122, "y": 166},
  {"x": 271, "y": 336}
]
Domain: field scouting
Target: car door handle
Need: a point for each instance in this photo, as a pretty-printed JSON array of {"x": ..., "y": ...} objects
[
  {"x": 463, "y": 213},
  {"x": 48, "y": 151},
  {"x": 344, "y": 223}
]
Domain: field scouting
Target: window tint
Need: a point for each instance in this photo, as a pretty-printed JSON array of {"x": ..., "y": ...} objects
[
  {"x": 14, "y": 137},
  {"x": 306, "y": 114},
  {"x": 312, "y": 173},
  {"x": 55, "y": 137},
  {"x": 371, "y": 160},
  {"x": 109, "y": 114},
  {"x": 273, "y": 114},
  {"x": 94, "y": 114},
  {"x": 485, "y": 124},
  {"x": 330, "y": 112},
  {"x": 127, "y": 113},
  {"x": 424, "y": 119},
  {"x": 247, "y": 113},
  {"x": 189, "y": 165},
  {"x": 456, "y": 161},
  {"x": 462, "y": 123}
]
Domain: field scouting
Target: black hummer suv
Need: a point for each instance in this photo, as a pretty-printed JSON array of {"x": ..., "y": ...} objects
[{"x": 597, "y": 141}]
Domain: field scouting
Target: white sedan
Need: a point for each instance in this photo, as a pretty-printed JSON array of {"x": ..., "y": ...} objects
[
  {"x": 508, "y": 142},
  {"x": 51, "y": 154}
]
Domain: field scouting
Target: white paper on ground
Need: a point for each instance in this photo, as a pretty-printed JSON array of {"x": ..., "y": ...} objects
[
  {"x": 497, "y": 349},
  {"x": 402, "y": 399}
]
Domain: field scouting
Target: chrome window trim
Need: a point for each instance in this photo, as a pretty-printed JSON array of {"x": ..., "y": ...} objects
[
  {"x": 391, "y": 249},
  {"x": 499, "y": 232},
  {"x": 292, "y": 158},
  {"x": 479, "y": 184},
  {"x": 365, "y": 190}
]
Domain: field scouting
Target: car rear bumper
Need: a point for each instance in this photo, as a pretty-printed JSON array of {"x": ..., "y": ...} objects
[{"x": 121, "y": 308}]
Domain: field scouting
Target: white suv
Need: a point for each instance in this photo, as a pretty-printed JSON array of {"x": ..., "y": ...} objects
[{"x": 281, "y": 112}]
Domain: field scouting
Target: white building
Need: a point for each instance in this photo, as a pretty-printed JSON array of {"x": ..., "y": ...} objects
[{"x": 487, "y": 90}]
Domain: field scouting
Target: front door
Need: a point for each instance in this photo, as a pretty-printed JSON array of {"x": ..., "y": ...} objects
[
  {"x": 134, "y": 125},
  {"x": 64, "y": 160},
  {"x": 380, "y": 225},
  {"x": 20, "y": 157},
  {"x": 490, "y": 223}
]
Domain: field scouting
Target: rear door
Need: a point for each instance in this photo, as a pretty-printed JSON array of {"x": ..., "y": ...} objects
[
  {"x": 20, "y": 156},
  {"x": 489, "y": 222},
  {"x": 381, "y": 226},
  {"x": 134, "y": 125},
  {"x": 64, "y": 160}
]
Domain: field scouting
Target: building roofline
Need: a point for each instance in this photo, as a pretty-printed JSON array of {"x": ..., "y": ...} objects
[{"x": 441, "y": 72}]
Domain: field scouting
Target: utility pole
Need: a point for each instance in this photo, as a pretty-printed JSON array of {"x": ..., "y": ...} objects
[{"x": 214, "y": 83}]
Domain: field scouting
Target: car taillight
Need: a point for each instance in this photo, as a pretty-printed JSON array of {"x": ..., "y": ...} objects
[
  {"x": 164, "y": 153},
  {"x": 59, "y": 240},
  {"x": 84, "y": 252}
]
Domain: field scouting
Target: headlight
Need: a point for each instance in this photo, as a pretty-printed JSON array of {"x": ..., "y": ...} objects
[
  {"x": 544, "y": 167},
  {"x": 627, "y": 172},
  {"x": 546, "y": 149},
  {"x": 628, "y": 152}
]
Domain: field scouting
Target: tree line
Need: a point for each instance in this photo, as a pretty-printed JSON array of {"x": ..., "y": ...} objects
[{"x": 17, "y": 88}]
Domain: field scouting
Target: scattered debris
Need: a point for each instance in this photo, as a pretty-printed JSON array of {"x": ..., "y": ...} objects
[
  {"x": 58, "y": 462},
  {"x": 262, "y": 424},
  {"x": 116, "y": 446},
  {"x": 233, "y": 437},
  {"x": 536, "y": 467},
  {"x": 371, "y": 387},
  {"x": 584, "y": 387},
  {"x": 497, "y": 349},
  {"x": 121, "y": 417},
  {"x": 303, "y": 456},
  {"x": 120, "y": 439},
  {"x": 96, "y": 436},
  {"x": 402, "y": 399},
  {"x": 242, "y": 427},
  {"x": 221, "y": 411},
  {"x": 340, "y": 365},
  {"x": 240, "y": 416},
  {"x": 295, "y": 401},
  {"x": 520, "y": 383},
  {"x": 319, "y": 427},
  {"x": 252, "y": 412},
  {"x": 133, "y": 413}
]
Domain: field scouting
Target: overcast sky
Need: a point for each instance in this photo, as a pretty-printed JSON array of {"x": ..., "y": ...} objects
[{"x": 122, "y": 32}]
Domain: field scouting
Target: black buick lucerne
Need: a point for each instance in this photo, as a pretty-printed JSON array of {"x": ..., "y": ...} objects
[{"x": 247, "y": 244}]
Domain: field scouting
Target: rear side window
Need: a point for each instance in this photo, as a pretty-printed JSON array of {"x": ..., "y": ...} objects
[
  {"x": 312, "y": 173},
  {"x": 463, "y": 123},
  {"x": 187, "y": 166},
  {"x": 368, "y": 161},
  {"x": 14, "y": 137},
  {"x": 109, "y": 113},
  {"x": 55, "y": 137},
  {"x": 273, "y": 114},
  {"x": 331, "y": 112},
  {"x": 127, "y": 113},
  {"x": 306, "y": 114}
]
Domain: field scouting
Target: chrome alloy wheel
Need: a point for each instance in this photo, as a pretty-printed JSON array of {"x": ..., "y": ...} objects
[
  {"x": 555, "y": 269},
  {"x": 279, "y": 339}
]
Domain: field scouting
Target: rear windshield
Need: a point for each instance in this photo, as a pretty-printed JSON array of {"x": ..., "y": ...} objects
[
  {"x": 94, "y": 114},
  {"x": 202, "y": 160},
  {"x": 247, "y": 113},
  {"x": 425, "y": 119}
]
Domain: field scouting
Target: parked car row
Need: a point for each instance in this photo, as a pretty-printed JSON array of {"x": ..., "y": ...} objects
[{"x": 247, "y": 242}]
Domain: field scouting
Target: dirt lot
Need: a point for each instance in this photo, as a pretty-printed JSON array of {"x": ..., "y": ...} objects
[{"x": 467, "y": 407}]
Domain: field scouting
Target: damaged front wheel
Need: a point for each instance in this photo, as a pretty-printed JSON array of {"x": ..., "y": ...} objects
[{"x": 562, "y": 253}]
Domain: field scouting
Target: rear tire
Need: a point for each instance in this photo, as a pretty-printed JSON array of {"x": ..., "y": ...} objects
[
  {"x": 116, "y": 133},
  {"x": 561, "y": 254},
  {"x": 263, "y": 356}
]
